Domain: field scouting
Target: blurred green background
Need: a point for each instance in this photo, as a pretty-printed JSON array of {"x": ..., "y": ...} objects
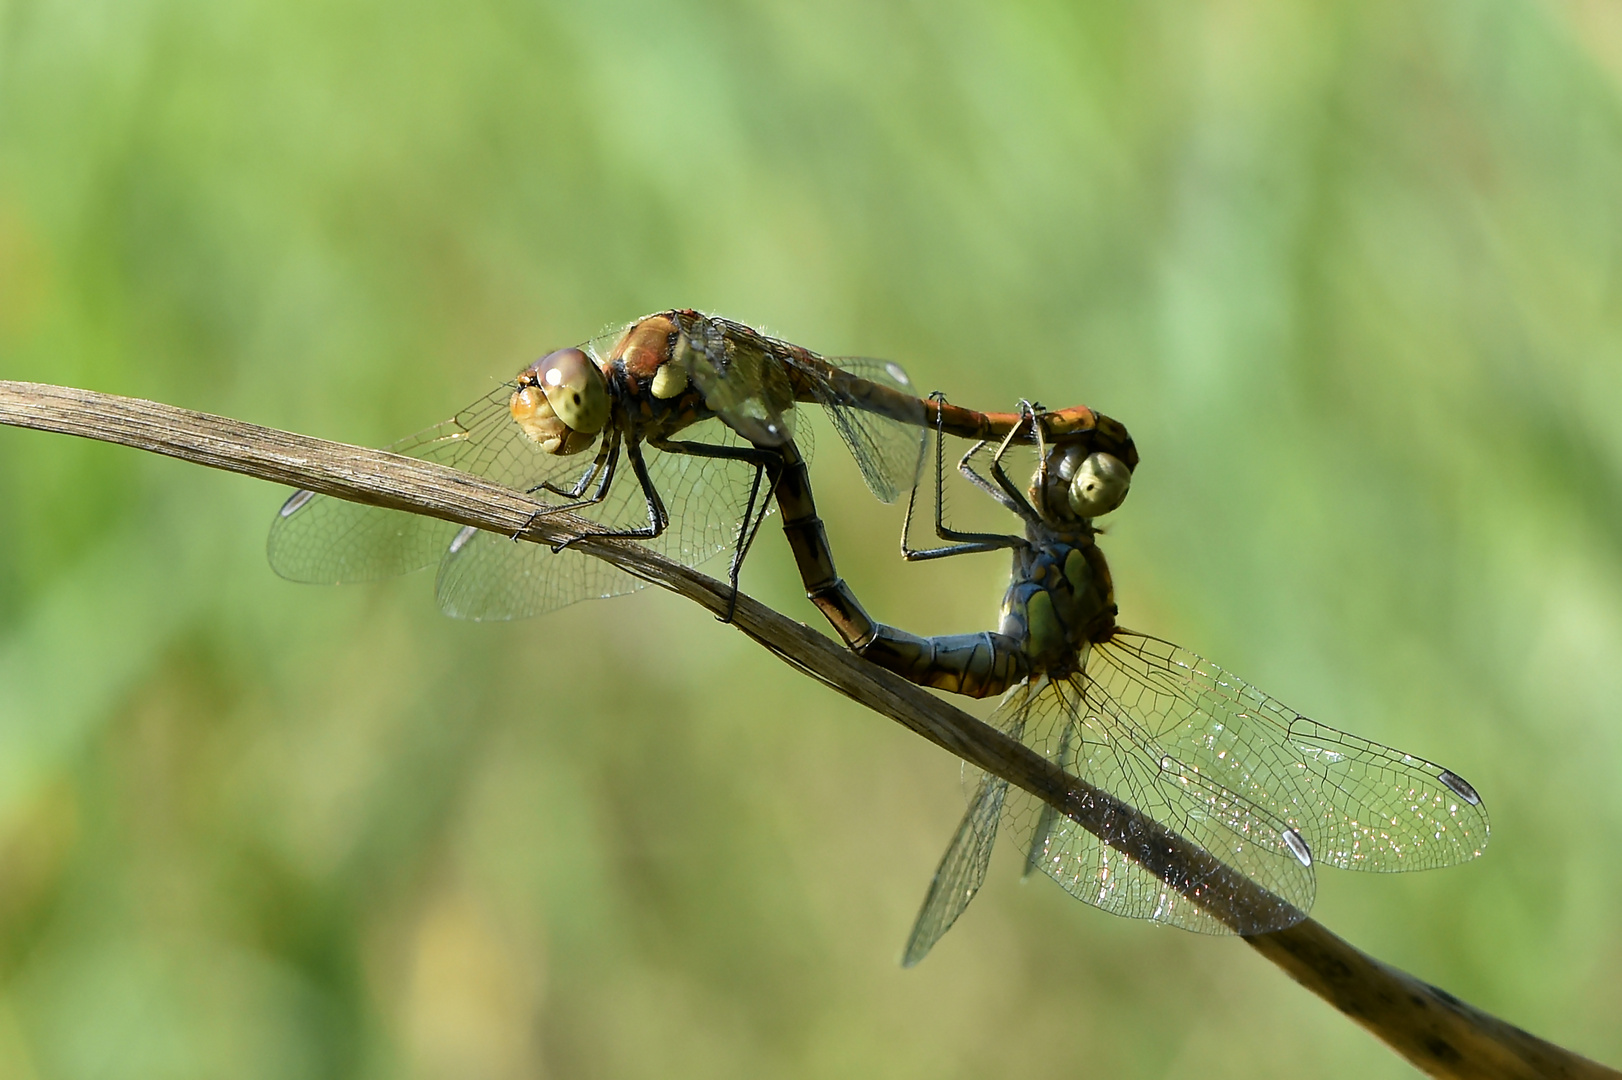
[{"x": 1350, "y": 273}]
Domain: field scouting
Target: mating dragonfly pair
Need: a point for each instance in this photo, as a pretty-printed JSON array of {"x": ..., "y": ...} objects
[{"x": 703, "y": 411}]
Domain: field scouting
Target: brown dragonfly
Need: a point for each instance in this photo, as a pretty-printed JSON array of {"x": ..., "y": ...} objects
[
  {"x": 1188, "y": 745},
  {"x": 697, "y": 407}
]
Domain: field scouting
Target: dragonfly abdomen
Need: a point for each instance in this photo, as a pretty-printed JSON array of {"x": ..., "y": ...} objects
[{"x": 976, "y": 665}]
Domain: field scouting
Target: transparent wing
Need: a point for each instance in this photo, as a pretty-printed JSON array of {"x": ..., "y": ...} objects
[
  {"x": 752, "y": 382},
  {"x": 1077, "y": 723},
  {"x": 742, "y": 378},
  {"x": 328, "y": 541},
  {"x": 1047, "y": 816},
  {"x": 962, "y": 869},
  {"x": 961, "y": 872},
  {"x": 706, "y": 497},
  {"x": 1360, "y": 805},
  {"x": 323, "y": 540},
  {"x": 885, "y": 433},
  {"x": 485, "y": 576}
]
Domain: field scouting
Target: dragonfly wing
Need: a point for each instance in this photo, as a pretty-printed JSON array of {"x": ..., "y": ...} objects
[
  {"x": 706, "y": 497},
  {"x": 327, "y": 541},
  {"x": 1382, "y": 809},
  {"x": 1359, "y": 805},
  {"x": 485, "y": 576},
  {"x": 741, "y": 377},
  {"x": 1048, "y": 816},
  {"x": 1077, "y": 719},
  {"x": 961, "y": 871},
  {"x": 886, "y": 433}
]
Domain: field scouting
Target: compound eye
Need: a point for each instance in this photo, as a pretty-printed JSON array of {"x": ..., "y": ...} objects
[
  {"x": 575, "y": 388},
  {"x": 1099, "y": 485}
]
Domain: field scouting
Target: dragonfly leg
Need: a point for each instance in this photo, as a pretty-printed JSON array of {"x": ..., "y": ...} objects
[
  {"x": 602, "y": 468},
  {"x": 964, "y": 543},
  {"x": 767, "y": 464},
  {"x": 658, "y": 517},
  {"x": 773, "y": 470},
  {"x": 965, "y": 465},
  {"x": 605, "y": 458},
  {"x": 1021, "y": 506},
  {"x": 1003, "y": 492}
]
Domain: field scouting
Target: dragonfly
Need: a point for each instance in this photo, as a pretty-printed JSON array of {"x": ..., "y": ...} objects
[
  {"x": 1189, "y": 745},
  {"x": 700, "y": 409}
]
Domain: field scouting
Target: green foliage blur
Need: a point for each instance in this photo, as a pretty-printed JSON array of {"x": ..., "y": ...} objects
[{"x": 1349, "y": 272}]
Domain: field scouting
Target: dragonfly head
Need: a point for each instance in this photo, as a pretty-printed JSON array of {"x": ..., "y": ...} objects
[
  {"x": 562, "y": 401},
  {"x": 1080, "y": 484}
]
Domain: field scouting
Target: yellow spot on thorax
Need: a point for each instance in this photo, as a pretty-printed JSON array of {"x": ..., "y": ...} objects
[{"x": 669, "y": 380}]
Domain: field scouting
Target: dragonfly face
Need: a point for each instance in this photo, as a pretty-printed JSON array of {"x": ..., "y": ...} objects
[
  {"x": 1077, "y": 486},
  {"x": 562, "y": 401}
]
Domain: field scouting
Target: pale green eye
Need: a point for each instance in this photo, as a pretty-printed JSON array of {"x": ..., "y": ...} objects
[
  {"x": 1099, "y": 485},
  {"x": 561, "y": 402},
  {"x": 575, "y": 388}
]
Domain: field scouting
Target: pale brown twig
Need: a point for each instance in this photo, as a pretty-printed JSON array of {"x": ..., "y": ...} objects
[{"x": 1435, "y": 1031}]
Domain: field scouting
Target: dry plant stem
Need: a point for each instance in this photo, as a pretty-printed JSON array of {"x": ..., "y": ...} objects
[{"x": 1436, "y": 1032}]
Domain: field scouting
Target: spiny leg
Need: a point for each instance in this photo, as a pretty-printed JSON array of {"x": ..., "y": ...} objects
[
  {"x": 765, "y": 463},
  {"x": 608, "y": 455},
  {"x": 1003, "y": 492},
  {"x": 1029, "y": 413},
  {"x": 774, "y": 470},
  {"x": 964, "y": 542},
  {"x": 658, "y": 518},
  {"x": 965, "y": 466},
  {"x": 603, "y": 467}
]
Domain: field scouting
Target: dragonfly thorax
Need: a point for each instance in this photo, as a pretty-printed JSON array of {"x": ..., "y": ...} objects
[{"x": 1060, "y": 601}]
